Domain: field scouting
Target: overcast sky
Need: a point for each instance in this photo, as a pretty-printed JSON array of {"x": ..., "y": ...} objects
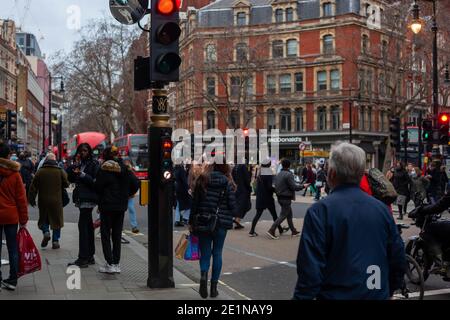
[{"x": 54, "y": 22}]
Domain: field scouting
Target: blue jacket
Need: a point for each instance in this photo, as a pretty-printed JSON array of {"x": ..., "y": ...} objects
[{"x": 343, "y": 236}]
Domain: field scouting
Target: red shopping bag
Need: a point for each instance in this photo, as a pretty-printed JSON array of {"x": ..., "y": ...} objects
[{"x": 29, "y": 258}]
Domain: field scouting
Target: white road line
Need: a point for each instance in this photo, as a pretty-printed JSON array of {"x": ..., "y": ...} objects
[
  {"x": 227, "y": 273},
  {"x": 260, "y": 257},
  {"x": 256, "y": 268},
  {"x": 235, "y": 291},
  {"x": 431, "y": 293}
]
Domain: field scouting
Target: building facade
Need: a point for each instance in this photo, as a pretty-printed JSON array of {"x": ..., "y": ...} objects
[
  {"x": 7, "y": 65},
  {"x": 311, "y": 69}
]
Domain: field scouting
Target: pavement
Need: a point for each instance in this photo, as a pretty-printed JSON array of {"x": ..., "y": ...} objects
[{"x": 53, "y": 282}]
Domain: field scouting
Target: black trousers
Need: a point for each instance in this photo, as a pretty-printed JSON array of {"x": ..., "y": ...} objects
[
  {"x": 259, "y": 213},
  {"x": 111, "y": 229},
  {"x": 286, "y": 213},
  {"x": 86, "y": 231}
]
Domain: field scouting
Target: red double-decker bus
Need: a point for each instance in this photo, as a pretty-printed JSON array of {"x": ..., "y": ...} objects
[
  {"x": 96, "y": 140},
  {"x": 135, "y": 147}
]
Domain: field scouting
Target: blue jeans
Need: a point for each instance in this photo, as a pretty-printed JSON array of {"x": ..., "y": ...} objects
[
  {"x": 181, "y": 214},
  {"x": 212, "y": 245},
  {"x": 132, "y": 213},
  {"x": 13, "y": 250},
  {"x": 56, "y": 232}
]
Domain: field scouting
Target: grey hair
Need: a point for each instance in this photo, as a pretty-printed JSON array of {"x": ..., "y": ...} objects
[
  {"x": 348, "y": 161},
  {"x": 50, "y": 156}
]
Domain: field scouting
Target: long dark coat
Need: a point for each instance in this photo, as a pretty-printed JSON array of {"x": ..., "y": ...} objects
[
  {"x": 264, "y": 192},
  {"x": 182, "y": 188},
  {"x": 242, "y": 178},
  {"x": 47, "y": 185}
]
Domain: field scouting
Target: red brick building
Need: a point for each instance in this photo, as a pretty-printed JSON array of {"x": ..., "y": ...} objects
[{"x": 296, "y": 66}]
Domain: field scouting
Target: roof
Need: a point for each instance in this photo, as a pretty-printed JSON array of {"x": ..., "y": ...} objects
[{"x": 226, "y": 4}]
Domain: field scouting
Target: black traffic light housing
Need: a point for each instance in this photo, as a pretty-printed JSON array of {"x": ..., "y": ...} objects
[
  {"x": 2, "y": 126},
  {"x": 164, "y": 41},
  {"x": 166, "y": 157},
  {"x": 443, "y": 128},
  {"x": 427, "y": 130},
  {"x": 11, "y": 119},
  {"x": 394, "y": 129}
]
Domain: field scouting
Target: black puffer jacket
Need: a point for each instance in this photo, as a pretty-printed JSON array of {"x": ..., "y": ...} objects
[
  {"x": 206, "y": 202},
  {"x": 84, "y": 184},
  {"x": 115, "y": 184},
  {"x": 402, "y": 182}
]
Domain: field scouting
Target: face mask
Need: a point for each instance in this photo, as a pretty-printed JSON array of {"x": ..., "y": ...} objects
[{"x": 413, "y": 174}]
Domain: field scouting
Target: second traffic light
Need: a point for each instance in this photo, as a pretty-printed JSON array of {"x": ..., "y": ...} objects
[
  {"x": 394, "y": 129},
  {"x": 164, "y": 41},
  {"x": 427, "y": 130},
  {"x": 443, "y": 128},
  {"x": 11, "y": 125}
]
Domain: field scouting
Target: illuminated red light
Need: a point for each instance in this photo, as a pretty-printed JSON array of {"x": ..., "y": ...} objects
[
  {"x": 444, "y": 118},
  {"x": 168, "y": 7},
  {"x": 167, "y": 145}
]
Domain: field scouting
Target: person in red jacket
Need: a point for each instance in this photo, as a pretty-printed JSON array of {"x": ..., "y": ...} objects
[
  {"x": 13, "y": 210},
  {"x": 365, "y": 186}
]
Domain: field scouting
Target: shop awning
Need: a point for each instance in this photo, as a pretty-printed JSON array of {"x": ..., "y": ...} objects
[{"x": 367, "y": 147}]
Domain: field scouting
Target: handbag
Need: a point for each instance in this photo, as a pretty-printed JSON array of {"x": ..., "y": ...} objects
[
  {"x": 181, "y": 247},
  {"x": 205, "y": 222},
  {"x": 192, "y": 252},
  {"x": 65, "y": 197}
]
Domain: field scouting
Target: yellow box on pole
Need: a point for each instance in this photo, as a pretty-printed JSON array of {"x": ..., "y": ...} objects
[{"x": 143, "y": 194}]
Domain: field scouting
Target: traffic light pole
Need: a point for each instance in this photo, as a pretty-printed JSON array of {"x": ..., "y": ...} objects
[
  {"x": 405, "y": 142},
  {"x": 419, "y": 125},
  {"x": 160, "y": 216}
]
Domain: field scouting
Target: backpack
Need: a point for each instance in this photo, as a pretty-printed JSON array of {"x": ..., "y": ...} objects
[{"x": 381, "y": 187}]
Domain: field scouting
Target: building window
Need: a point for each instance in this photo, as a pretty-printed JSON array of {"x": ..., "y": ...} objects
[
  {"x": 322, "y": 118},
  {"x": 291, "y": 48},
  {"x": 234, "y": 119},
  {"x": 321, "y": 80},
  {"x": 211, "y": 54},
  {"x": 241, "y": 19},
  {"x": 285, "y": 119},
  {"x": 299, "y": 82},
  {"x": 285, "y": 83},
  {"x": 277, "y": 49},
  {"x": 335, "y": 77},
  {"x": 211, "y": 86},
  {"x": 369, "y": 118},
  {"x": 384, "y": 48},
  {"x": 241, "y": 52},
  {"x": 328, "y": 44},
  {"x": 382, "y": 85},
  {"x": 365, "y": 44},
  {"x": 249, "y": 86},
  {"x": 248, "y": 121},
  {"x": 327, "y": 9},
  {"x": 335, "y": 118},
  {"x": 362, "y": 81},
  {"x": 271, "y": 84},
  {"x": 271, "y": 123},
  {"x": 279, "y": 15},
  {"x": 361, "y": 118},
  {"x": 299, "y": 119},
  {"x": 369, "y": 81},
  {"x": 235, "y": 86},
  {"x": 382, "y": 117},
  {"x": 289, "y": 14},
  {"x": 210, "y": 120}
]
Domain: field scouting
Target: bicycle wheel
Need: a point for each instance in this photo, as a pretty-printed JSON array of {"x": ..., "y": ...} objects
[{"x": 414, "y": 281}]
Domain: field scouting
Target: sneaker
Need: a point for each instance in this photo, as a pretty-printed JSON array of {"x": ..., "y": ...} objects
[
  {"x": 116, "y": 268},
  {"x": 91, "y": 261},
  {"x": 135, "y": 230},
  {"x": 295, "y": 234},
  {"x": 9, "y": 284},
  {"x": 272, "y": 235},
  {"x": 107, "y": 268},
  {"x": 252, "y": 234},
  {"x": 238, "y": 225},
  {"x": 80, "y": 263},
  {"x": 55, "y": 245},
  {"x": 46, "y": 239}
]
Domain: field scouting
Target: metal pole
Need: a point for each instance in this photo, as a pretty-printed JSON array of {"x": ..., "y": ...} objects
[
  {"x": 350, "y": 106},
  {"x": 419, "y": 125},
  {"x": 435, "y": 68},
  {"x": 160, "y": 213},
  {"x": 405, "y": 141},
  {"x": 50, "y": 110}
]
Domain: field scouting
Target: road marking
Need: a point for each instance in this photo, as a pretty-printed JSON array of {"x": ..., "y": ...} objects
[
  {"x": 427, "y": 293},
  {"x": 227, "y": 273},
  {"x": 261, "y": 257},
  {"x": 256, "y": 268},
  {"x": 235, "y": 291}
]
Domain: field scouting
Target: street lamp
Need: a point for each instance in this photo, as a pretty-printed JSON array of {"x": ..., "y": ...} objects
[{"x": 416, "y": 25}]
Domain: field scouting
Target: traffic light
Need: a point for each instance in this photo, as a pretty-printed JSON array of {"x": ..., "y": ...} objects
[
  {"x": 394, "y": 128},
  {"x": 166, "y": 158},
  {"x": 427, "y": 130},
  {"x": 443, "y": 128},
  {"x": 164, "y": 44},
  {"x": 11, "y": 125},
  {"x": 2, "y": 126}
]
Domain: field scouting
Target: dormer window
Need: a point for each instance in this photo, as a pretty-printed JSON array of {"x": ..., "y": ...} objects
[
  {"x": 327, "y": 9},
  {"x": 241, "y": 19},
  {"x": 279, "y": 15},
  {"x": 289, "y": 14}
]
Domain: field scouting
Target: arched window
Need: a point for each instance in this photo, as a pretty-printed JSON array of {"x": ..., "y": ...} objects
[
  {"x": 241, "y": 19},
  {"x": 289, "y": 14},
  {"x": 211, "y": 54},
  {"x": 328, "y": 47},
  {"x": 210, "y": 119},
  {"x": 335, "y": 118},
  {"x": 322, "y": 118},
  {"x": 365, "y": 44},
  {"x": 299, "y": 119},
  {"x": 291, "y": 48},
  {"x": 279, "y": 15},
  {"x": 285, "y": 119},
  {"x": 241, "y": 52},
  {"x": 277, "y": 49},
  {"x": 271, "y": 121}
]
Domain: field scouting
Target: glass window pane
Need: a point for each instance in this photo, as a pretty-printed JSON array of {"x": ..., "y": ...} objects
[
  {"x": 271, "y": 84},
  {"x": 299, "y": 82},
  {"x": 328, "y": 44},
  {"x": 211, "y": 86},
  {"x": 289, "y": 14},
  {"x": 327, "y": 9},
  {"x": 299, "y": 119},
  {"x": 322, "y": 80},
  {"x": 279, "y": 15},
  {"x": 285, "y": 83},
  {"x": 292, "y": 47},
  {"x": 335, "y": 79},
  {"x": 241, "y": 19},
  {"x": 277, "y": 49}
]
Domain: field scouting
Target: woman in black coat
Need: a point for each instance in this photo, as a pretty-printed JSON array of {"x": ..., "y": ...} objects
[
  {"x": 264, "y": 197},
  {"x": 242, "y": 178},
  {"x": 402, "y": 184},
  {"x": 184, "y": 199},
  {"x": 83, "y": 173}
]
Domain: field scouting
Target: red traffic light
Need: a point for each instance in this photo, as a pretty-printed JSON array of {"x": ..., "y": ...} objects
[
  {"x": 167, "y": 144},
  {"x": 443, "y": 117},
  {"x": 245, "y": 132},
  {"x": 167, "y": 7}
]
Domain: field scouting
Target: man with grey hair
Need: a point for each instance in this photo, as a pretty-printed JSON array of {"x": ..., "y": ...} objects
[{"x": 350, "y": 246}]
